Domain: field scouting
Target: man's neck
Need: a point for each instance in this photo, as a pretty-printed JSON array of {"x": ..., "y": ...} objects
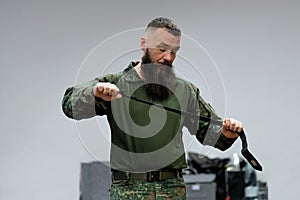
[{"x": 139, "y": 71}]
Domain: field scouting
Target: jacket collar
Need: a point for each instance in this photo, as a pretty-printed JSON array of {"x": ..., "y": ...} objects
[{"x": 130, "y": 74}]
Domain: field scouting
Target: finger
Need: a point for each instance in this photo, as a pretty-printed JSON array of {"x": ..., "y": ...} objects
[
  {"x": 236, "y": 129},
  {"x": 107, "y": 89},
  {"x": 104, "y": 91},
  {"x": 100, "y": 87},
  {"x": 236, "y": 126},
  {"x": 110, "y": 91},
  {"x": 116, "y": 96},
  {"x": 116, "y": 92},
  {"x": 227, "y": 123},
  {"x": 232, "y": 125},
  {"x": 240, "y": 127}
]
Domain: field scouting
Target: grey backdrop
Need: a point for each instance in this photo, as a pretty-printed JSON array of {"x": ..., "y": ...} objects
[{"x": 254, "y": 44}]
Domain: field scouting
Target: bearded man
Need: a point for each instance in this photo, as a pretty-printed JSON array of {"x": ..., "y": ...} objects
[{"x": 147, "y": 151}]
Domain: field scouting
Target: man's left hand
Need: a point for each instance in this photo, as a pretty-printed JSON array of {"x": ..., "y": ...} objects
[{"x": 231, "y": 127}]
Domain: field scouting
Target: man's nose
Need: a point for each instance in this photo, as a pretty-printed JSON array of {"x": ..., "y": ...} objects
[{"x": 168, "y": 56}]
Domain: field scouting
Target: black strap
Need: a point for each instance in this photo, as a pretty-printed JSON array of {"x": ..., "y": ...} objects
[{"x": 245, "y": 152}]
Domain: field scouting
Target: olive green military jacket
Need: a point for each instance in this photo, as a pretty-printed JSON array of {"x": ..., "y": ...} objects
[{"x": 144, "y": 137}]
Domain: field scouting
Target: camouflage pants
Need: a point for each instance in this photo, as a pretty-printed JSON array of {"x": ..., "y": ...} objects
[{"x": 142, "y": 190}]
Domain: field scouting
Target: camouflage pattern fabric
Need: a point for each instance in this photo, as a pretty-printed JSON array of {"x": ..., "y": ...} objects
[{"x": 173, "y": 189}]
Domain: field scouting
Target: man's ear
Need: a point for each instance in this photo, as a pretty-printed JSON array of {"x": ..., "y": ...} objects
[{"x": 143, "y": 44}]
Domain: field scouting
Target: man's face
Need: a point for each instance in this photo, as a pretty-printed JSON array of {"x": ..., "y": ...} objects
[
  {"x": 157, "y": 65},
  {"x": 162, "y": 46}
]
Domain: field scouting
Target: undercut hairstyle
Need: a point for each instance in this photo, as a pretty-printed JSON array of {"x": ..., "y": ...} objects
[{"x": 162, "y": 22}]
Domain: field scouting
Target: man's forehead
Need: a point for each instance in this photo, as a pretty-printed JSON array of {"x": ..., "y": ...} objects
[
  {"x": 173, "y": 46},
  {"x": 162, "y": 37}
]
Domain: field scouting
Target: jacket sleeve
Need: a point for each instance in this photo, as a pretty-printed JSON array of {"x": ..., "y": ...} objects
[
  {"x": 79, "y": 101},
  {"x": 207, "y": 133}
]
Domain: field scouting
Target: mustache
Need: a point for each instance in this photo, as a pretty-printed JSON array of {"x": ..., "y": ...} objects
[{"x": 166, "y": 63}]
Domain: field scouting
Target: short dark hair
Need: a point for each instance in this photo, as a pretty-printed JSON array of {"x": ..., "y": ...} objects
[{"x": 162, "y": 22}]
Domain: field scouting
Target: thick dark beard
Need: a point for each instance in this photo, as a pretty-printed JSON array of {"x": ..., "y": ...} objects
[{"x": 159, "y": 77}]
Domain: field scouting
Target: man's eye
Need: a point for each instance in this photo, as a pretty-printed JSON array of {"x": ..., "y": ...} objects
[{"x": 162, "y": 50}]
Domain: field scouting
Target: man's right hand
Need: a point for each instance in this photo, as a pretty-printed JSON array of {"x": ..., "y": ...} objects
[{"x": 106, "y": 91}]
